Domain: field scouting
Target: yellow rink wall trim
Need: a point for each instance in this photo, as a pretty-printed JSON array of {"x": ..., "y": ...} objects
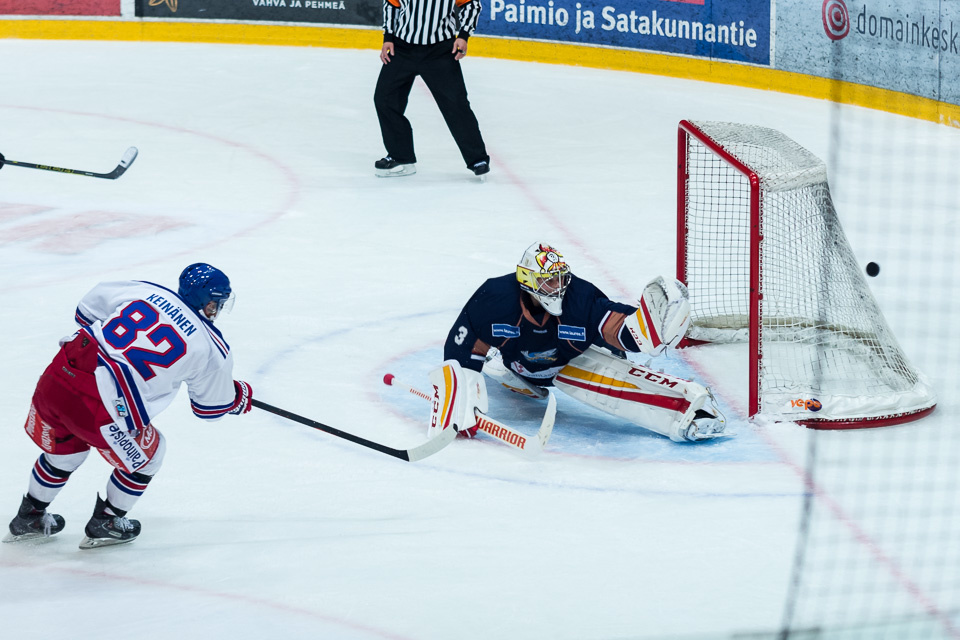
[{"x": 749, "y": 76}]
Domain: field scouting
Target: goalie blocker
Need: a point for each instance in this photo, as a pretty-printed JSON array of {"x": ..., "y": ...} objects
[
  {"x": 460, "y": 400},
  {"x": 458, "y": 394}
]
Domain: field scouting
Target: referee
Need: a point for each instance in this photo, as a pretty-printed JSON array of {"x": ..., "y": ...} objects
[{"x": 426, "y": 38}]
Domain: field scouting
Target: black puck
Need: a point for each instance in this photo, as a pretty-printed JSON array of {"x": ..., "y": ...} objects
[{"x": 873, "y": 269}]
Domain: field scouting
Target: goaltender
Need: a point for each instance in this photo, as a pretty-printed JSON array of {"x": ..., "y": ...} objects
[{"x": 542, "y": 326}]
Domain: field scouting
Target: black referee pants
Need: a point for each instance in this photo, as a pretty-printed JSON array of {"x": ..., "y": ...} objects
[{"x": 442, "y": 75}]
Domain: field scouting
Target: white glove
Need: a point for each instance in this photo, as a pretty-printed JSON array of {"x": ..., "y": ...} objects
[
  {"x": 496, "y": 369},
  {"x": 662, "y": 317}
]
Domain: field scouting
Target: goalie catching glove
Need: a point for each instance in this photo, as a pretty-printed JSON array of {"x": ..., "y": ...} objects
[
  {"x": 458, "y": 394},
  {"x": 662, "y": 317}
]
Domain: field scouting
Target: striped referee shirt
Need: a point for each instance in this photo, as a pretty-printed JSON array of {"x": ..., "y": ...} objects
[{"x": 429, "y": 21}]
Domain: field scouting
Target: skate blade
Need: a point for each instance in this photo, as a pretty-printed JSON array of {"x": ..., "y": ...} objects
[
  {"x": 702, "y": 437},
  {"x": 397, "y": 172},
  {"x": 96, "y": 543},
  {"x": 38, "y": 537}
]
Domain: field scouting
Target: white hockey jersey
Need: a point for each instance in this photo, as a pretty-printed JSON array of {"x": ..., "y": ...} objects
[{"x": 150, "y": 343}]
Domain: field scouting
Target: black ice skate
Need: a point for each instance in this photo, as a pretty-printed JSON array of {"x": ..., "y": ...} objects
[
  {"x": 33, "y": 523},
  {"x": 105, "y": 529},
  {"x": 480, "y": 168},
  {"x": 387, "y": 167}
]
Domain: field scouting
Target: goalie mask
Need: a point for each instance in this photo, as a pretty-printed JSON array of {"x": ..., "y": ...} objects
[{"x": 543, "y": 274}]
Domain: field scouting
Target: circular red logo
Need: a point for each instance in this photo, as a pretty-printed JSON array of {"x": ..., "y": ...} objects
[{"x": 836, "y": 19}]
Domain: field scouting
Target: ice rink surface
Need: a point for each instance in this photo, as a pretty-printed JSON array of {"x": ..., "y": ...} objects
[{"x": 259, "y": 161}]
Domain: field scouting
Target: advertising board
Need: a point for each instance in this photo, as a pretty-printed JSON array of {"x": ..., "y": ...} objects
[
  {"x": 352, "y": 12},
  {"x": 736, "y": 30},
  {"x": 911, "y": 46},
  {"x": 60, "y": 7}
]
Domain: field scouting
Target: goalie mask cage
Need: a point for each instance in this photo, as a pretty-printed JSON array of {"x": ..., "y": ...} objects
[{"x": 766, "y": 261}]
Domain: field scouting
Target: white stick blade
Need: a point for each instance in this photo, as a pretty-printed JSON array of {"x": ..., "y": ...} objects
[
  {"x": 128, "y": 157},
  {"x": 432, "y": 445}
]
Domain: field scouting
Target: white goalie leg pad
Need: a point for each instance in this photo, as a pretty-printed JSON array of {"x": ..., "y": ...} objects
[
  {"x": 495, "y": 369},
  {"x": 662, "y": 317},
  {"x": 458, "y": 394},
  {"x": 656, "y": 401}
]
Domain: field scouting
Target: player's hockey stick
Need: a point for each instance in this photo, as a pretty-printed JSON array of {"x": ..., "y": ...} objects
[
  {"x": 496, "y": 429},
  {"x": 419, "y": 452},
  {"x": 128, "y": 157}
]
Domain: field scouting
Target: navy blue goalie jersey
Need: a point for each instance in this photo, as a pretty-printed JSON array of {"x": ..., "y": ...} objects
[{"x": 533, "y": 343}]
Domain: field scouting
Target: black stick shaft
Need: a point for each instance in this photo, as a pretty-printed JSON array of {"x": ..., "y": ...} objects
[
  {"x": 44, "y": 167},
  {"x": 396, "y": 453},
  {"x": 125, "y": 162}
]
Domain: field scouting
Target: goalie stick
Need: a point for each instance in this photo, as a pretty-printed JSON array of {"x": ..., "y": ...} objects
[
  {"x": 128, "y": 157},
  {"x": 413, "y": 454},
  {"x": 494, "y": 428}
]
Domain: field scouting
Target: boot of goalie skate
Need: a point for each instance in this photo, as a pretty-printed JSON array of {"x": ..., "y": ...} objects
[
  {"x": 105, "y": 529},
  {"x": 33, "y": 523},
  {"x": 705, "y": 426}
]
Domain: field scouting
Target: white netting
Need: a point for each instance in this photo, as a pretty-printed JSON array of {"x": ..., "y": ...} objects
[{"x": 822, "y": 335}]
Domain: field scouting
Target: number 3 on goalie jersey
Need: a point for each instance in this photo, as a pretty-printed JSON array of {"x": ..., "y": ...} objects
[{"x": 137, "y": 317}]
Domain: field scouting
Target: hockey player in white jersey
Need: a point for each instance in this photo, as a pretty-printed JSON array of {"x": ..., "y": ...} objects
[{"x": 137, "y": 343}]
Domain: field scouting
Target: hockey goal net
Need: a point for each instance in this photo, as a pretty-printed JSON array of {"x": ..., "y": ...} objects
[{"x": 767, "y": 263}]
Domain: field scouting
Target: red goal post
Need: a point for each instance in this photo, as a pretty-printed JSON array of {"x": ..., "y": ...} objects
[{"x": 762, "y": 252}]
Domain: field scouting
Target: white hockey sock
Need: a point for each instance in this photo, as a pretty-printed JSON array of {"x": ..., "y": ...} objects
[
  {"x": 51, "y": 472},
  {"x": 124, "y": 489}
]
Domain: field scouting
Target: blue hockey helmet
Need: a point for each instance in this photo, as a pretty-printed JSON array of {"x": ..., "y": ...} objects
[{"x": 201, "y": 284}]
